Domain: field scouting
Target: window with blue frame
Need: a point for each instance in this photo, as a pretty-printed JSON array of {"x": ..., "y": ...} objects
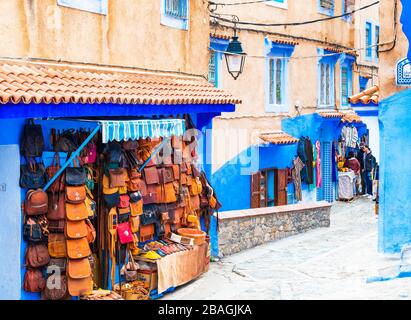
[
  {"x": 363, "y": 83},
  {"x": 346, "y": 63},
  {"x": 278, "y": 3},
  {"x": 326, "y": 78},
  {"x": 326, "y": 7},
  {"x": 277, "y": 84},
  {"x": 347, "y": 6},
  {"x": 377, "y": 41},
  {"x": 368, "y": 40},
  {"x": 212, "y": 72},
  {"x": 217, "y": 47},
  {"x": 175, "y": 13},
  {"x": 95, "y": 6}
]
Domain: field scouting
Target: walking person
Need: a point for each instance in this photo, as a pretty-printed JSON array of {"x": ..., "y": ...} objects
[
  {"x": 352, "y": 163},
  {"x": 369, "y": 164}
]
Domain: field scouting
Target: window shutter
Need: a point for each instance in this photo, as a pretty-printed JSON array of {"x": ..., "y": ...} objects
[
  {"x": 327, "y": 4},
  {"x": 326, "y": 162},
  {"x": 281, "y": 187},
  {"x": 212, "y": 69},
  {"x": 256, "y": 190}
]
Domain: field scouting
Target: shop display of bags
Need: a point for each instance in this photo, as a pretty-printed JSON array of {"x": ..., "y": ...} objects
[{"x": 32, "y": 175}]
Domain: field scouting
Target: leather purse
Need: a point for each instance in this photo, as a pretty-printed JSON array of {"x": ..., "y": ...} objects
[
  {"x": 57, "y": 226},
  {"x": 76, "y": 212},
  {"x": 76, "y": 229},
  {"x": 136, "y": 208},
  {"x": 32, "y": 175},
  {"x": 117, "y": 177},
  {"x": 75, "y": 176},
  {"x": 106, "y": 186},
  {"x": 37, "y": 255},
  {"x": 58, "y": 184},
  {"x": 166, "y": 175},
  {"x": 77, "y": 248},
  {"x": 79, "y": 287},
  {"x": 58, "y": 291},
  {"x": 75, "y": 194},
  {"x": 135, "y": 196},
  {"x": 79, "y": 269},
  {"x": 57, "y": 245},
  {"x": 34, "y": 281},
  {"x": 151, "y": 175},
  {"x": 36, "y": 202},
  {"x": 168, "y": 194},
  {"x": 196, "y": 187},
  {"x": 125, "y": 234},
  {"x": 135, "y": 224},
  {"x": 112, "y": 200},
  {"x": 165, "y": 216},
  {"x": 146, "y": 232},
  {"x": 33, "y": 232},
  {"x": 56, "y": 207},
  {"x": 153, "y": 194},
  {"x": 149, "y": 215},
  {"x": 91, "y": 232},
  {"x": 124, "y": 201}
]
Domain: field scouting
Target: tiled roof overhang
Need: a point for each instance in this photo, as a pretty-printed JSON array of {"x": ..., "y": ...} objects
[
  {"x": 370, "y": 95},
  {"x": 278, "y": 138}
]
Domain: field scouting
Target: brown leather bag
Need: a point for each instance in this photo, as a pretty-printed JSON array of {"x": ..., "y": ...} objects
[
  {"x": 58, "y": 184},
  {"x": 58, "y": 291},
  {"x": 36, "y": 202},
  {"x": 78, "y": 248},
  {"x": 153, "y": 194},
  {"x": 168, "y": 194},
  {"x": 75, "y": 194},
  {"x": 166, "y": 174},
  {"x": 196, "y": 187},
  {"x": 91, "y": 232},
  {"x": 117, "y": 177},
  {"x": 34, "y": 281},
  {"x": 76, "y": 229},
  {"x": 57, "y": 207},
  {"x": 78, "y": 287},
  {"x": 57, "y": 245},
  {"x": 76, "y": 212},
  {"x": 135, "y": 224},
  {"x": 136, "y": 208},
  {"x": 79, "y": 268},
  {"x": 195, "y": 202},
  {"x": 57, "y": 226},
  {"x": 151, "y": 175},
  {"x": 37, "y": 255}
]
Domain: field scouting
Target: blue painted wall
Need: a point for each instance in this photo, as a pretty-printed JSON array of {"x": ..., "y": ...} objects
[{"x": 395, "y": 172}]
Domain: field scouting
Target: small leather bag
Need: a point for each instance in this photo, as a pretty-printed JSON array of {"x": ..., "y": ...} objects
[
  {"x": 146, "y": 232},
  {"x": 75, "y": 194},
  {"x": 124, "y": 201},
  {"x": 57, "y": 226},
  {"x": 79, "y": 269},
  {"x": 153, "y": 194},
  {"x": 57, "y": 245},
  {"x": 151, "y": 175},
  {"x": 112, "y": 200},
  {"x": 196, "y": 187},
  {"x": 136, "y": 208},
  {"x": 78, "y": 287},
  {"x": 135, "y": 196},
  {"x": 57, "y": 292},
  {"x": 57, "y": 207},
  {"x": 91, "y": 232},
  {"x": 168, "y": 194},
  {"x": 37, "y": 255},
  {"x": 106, "y": 186},
  {"x": 32, "y": 175},
  {"x": 77, "y": 248},
  {"x": 36, "y": 202},
  {"x": 76, "y": 229},
  {"x": 58, "y": 184},
  {"x": 32, "y": 231},
  {"x": 75, "y": 176},
  {"x": 149, "y": 215},
  {"x": 117, "y": 177},
  {"x": 166, "y": 175},
  {"x": 125, "y": 234},
  {"x": 76, "y": 212},
  {"x": 135, "y": 224},
  {"x": 34, "y": 281}
]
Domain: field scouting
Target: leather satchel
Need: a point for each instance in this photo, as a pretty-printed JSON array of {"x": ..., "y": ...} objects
[
  {"x": 135, "y": 224},
  {"x": 58, "y": 184},
  {"x": 76, "y": 229},
  {"x": 33, "y": 232},
  {"x": 76, "y": 212},
  {"x": 146, "y": 232},
  {"x": 75, "y": 194},
  {"x": 78, "y": 248},
  {"x": 196, "y": 187},
  {"x": 32, "y": 175},
  {"x": 58, "y": 291},
  {"x": 168, "y": 194},
  {"x": 57, "y": 226},
  {"x": 125, "y": 234},
  {"x": 36, "y": 202},
  {"x": 75, "y": 176},
  {"x": 57, "y": 207},
  {"x": 166, "y": 175},
  {"x": 136, "y": 208},
  {"x": 57, "y": 245},
  {"x": 124, "y": 201},
  {"x": 151, "y": 175},
  {"x": 149, "y": 215},
  {"x": 37, "y": 255},
  {"x": 78, "y": 287},
  {"x": 153, "y": 194},
  {"x": 34, "y": 281},
  {"x": 79, "y": 269},
  {"x": 106, "y": 186},
  {"x": 117, "y": 177}
]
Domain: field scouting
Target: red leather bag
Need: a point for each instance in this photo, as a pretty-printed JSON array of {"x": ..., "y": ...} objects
[
  {"x": 58, "y": 184},
  {"x": 36, "y": 202},
  {"x": 125, "y": 234},
  {"x": 124, "y": 201},
  {"x": 57, "y": 207},
  {"x": 34, "y": 281}
]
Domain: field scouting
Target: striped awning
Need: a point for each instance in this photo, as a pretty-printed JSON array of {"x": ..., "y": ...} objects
[{"x": 137, "y": 129}]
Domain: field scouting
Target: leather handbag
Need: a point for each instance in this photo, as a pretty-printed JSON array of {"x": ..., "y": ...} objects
[
  {"x": 33, "y": 232},
  {"x": 76, "y": 229},
  {"x": 151, "y": 175},
  {"x": 131, "y": 268},
  {"x": 149, "y": 215},
  {"x": 37, "y": 255},
  {"x": 124, "y": 201},
  {"x": 106, "y": 186},
  {"x": 34, "y": 281},
  {"x": 196, "y": 187},
  {"x": 36, "y": 202},
  {"x": 32, "y": 175},
  {"x": 117, "y": 177},
  {"x": 75, "y": 176},
  {"x": 195, "y": 202},
  {"x": 76, "y": 212},
  {"x": 57, "y": 245},
  {"x": 58, "y": 184},
  {"x": 91, "y": 232},
  {"x": 168, "y": 193},
  {"x": 146, "y": 232},
  {"x": 153, "y": 194},
  {"x": 112, "y": 200},
  {"x": 135, "y": 196},
  {"x": 135, "y": 224},
  {"x": 56, "y": 207},
  {"x": 77, "y": 248},
  {"x": 75, "y": 194},
  {"x": 166, "y": 175},
  {"x": 58, "y": 291},
  {"x": 32, "y": 142},
  {"x": 79, "y": 269},
  {"x": 136, "y": 208},
  {"x": 57, "y": 226},
  {"x": 125, "y": 234},
  {"x": 79, "y": 287}
]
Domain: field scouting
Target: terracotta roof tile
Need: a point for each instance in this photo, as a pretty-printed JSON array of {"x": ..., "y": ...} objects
[
  {"x": 344, "y": 116},
  {"x": 279, "y": 137},
  {"x": 33, "y": 82},
  {"x": 367, "y": 96},
  {"x": 283, "y": 41},
  {"x": 220, "y": 36}
]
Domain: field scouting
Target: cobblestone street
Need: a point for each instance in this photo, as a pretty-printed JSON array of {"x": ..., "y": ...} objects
[{"x": 326, "y": 263}]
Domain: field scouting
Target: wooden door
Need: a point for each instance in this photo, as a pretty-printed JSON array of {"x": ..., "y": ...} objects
[
  {"x": 281, "y": 187},
  {"x": 255, "y": 190}
]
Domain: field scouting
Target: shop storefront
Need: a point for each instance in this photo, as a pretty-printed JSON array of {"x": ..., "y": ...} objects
[{"x": 110, "y": 168}]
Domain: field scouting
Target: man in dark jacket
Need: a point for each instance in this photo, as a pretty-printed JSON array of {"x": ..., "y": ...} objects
[{"x": 369, "y": 162}]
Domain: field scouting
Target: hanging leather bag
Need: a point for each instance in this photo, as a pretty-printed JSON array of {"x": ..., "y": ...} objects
[
  {"x": 33, "y": 232},
  {"x": 76, "y": 212},
  {"x": 125, "y": 235},
  {"x": 32, "y": 143},
  {"x": 56, "y": 206},
  {"x": 77, "y": 248},
  {"x": 153, "y": 194},
  {"x": 75, "y": 176},
  {"x": 58, "y": 291},
  {"x": 36, "y": 202},
  {"x": 32, "y": 175},
  {"x": 151, "y": 175},
  {"x": 76, "y": 229},
  {"x": 75, "y": 195},
  {"x": 79, "y": 269},
  {"x": 58, "y": 184},
  {"x": 57, "y": 226},
  {"x": 150, "y": 215},
  {"x": 124, "y": 201},
  {"x": 34, "y": 281},
  {"x": 37, "y": 255},
  {"x": 57, "y": 245},
  {"x": 117, "y": 177}
]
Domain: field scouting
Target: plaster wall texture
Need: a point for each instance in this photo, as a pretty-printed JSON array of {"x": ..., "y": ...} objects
[{"x": 130, "y": 35}]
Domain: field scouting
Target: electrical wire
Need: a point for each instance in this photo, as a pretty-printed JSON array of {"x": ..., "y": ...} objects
[{"x": 216, "y": 16}]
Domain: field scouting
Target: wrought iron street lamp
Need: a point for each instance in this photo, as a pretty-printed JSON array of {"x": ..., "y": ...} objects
[{"x": 234, "y": 55}]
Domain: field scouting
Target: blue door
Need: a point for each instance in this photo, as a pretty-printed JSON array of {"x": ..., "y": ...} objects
[
  {"x": 11, "y": 223},
  {"x": 326, "y": 191}
]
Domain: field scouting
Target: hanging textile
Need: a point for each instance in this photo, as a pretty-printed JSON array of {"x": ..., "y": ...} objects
[
  {"x": 310, "y": 160},
  {"x": 350, "y": 136},
  {"x": 141, "y": 129},
  {"x": 296, "y": 174},
  {"x": 302, "y": 156},
  {"x": 318, "y": 164}
]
